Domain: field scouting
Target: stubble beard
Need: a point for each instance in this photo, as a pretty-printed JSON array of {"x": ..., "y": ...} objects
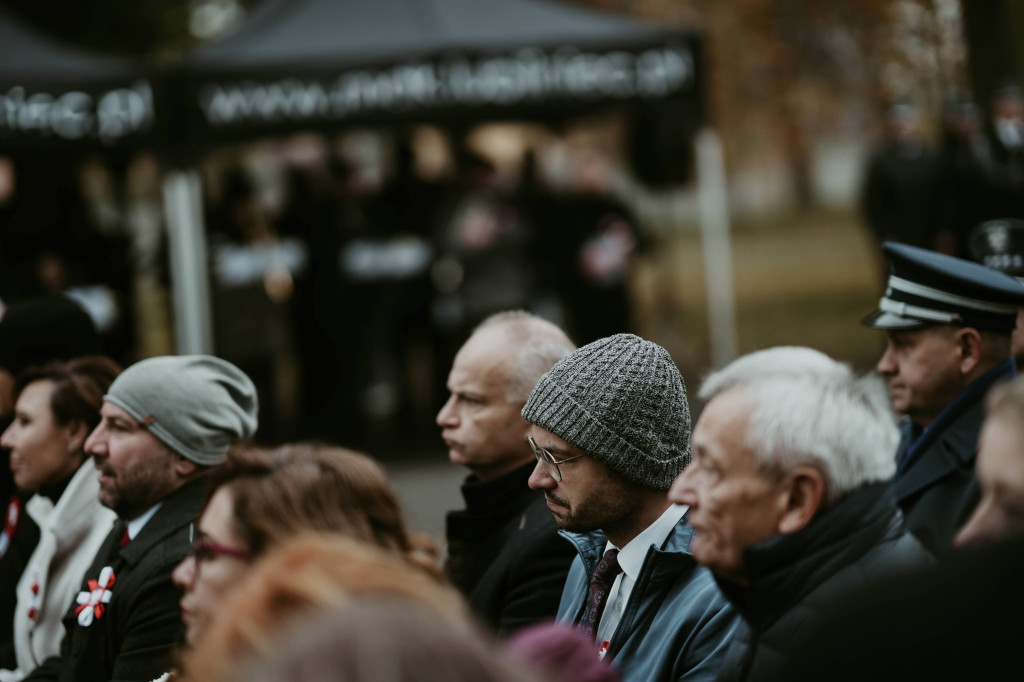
[{"x": 130, "y": 498}]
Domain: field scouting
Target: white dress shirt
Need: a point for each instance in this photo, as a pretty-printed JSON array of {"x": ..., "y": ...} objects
[
  {"x": 136, "y": 525},
  {"x": 631, "y": 559}
]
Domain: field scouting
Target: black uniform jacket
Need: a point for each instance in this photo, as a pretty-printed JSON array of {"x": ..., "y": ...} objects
[{"x": 935, "y": 483}]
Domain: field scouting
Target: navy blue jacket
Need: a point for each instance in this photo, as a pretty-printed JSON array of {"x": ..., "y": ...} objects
[{"x": 935, "y": 484}]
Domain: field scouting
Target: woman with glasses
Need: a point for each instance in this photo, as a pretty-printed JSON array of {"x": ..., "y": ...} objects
[
  {"x": 57, "y": 406},
  {"x": 259, "y": 498},
  {"x": 302, "y": 576}
]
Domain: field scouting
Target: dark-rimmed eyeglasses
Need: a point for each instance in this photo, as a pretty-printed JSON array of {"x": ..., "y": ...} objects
[{"x": 548, "y": 460}]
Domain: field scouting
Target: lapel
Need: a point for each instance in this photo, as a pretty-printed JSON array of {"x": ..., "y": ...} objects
[
  {"x": 949, "y": 451},
  {"x": 662, "y": 568},
  {"x": 178, "y": 510}
]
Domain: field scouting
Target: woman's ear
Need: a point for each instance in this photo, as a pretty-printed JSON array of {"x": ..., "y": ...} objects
[
  {"x": 77, "y": 431},
  {"x": 804, "y": 495}
]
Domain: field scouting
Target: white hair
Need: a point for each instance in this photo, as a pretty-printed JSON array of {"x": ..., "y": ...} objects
[
  {"x": 807, "y": 409},
  {"x": 539, "y": 344}
]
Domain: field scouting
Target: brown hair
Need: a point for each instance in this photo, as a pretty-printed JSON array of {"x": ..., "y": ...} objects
[
  {"x": 78, "y": 387},
  {"x": 307, "y": 487},
  {"x": 309, "y": 572}
]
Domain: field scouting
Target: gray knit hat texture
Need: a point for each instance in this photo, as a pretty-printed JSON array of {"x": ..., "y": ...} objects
[
  {"x": 622, "y": 401},
  {"x": 197, "y": 405}
]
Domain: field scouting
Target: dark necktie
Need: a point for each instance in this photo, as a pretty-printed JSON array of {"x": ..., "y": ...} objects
[{"x": 600, "y": 584}]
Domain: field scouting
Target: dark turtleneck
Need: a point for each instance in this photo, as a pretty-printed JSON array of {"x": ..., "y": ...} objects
[{"x": 477, "y": 533}]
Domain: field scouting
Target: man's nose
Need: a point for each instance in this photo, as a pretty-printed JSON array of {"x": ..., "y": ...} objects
[
  {"x": 447, "y": 417},
  {"x": 95, "y": 444},
  {"x": 541, "y": 478},
  {"x": 683, "y": 490},
  {"x": 886, "y": 364}
]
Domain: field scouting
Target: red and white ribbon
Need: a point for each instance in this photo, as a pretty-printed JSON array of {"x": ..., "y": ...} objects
[{"x": 92, "y": 603}]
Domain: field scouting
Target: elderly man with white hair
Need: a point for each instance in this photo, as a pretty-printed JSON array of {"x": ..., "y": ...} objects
[{"x": 789, "y": 496}]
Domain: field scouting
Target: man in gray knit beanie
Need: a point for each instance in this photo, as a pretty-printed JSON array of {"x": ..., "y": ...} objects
[
  {"x": 164, "y": 423},
  {"x": 610, "y": 428}
]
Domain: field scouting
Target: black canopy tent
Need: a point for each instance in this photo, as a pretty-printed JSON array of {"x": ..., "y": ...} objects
[
  {"x": 61, "y": 99},
  {"x": 325, "y": 64},
  {"x": 299, "y": 64}
]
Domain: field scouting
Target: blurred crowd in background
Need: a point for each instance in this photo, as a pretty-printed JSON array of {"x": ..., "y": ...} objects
[{"x": 344, "y": 277}]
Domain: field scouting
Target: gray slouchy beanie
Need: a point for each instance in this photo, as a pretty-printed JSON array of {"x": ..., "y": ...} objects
[
  {"x": 622, "y": 401},
  {"x": 197, "y": 405}
]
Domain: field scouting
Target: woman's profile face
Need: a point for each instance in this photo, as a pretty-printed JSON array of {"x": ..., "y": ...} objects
[
  {"x": 42, "y": 452},
  {"x": 218, "y": 560}
]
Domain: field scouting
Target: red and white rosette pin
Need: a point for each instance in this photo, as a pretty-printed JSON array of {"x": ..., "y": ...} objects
[{"x": 92, "y": 603}]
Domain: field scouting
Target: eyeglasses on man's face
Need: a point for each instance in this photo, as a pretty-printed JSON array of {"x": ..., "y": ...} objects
[{"x": 548, "y": 460}]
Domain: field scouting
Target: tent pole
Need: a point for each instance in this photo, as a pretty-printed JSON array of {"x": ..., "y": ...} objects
[
  {"x": 183, "y": 205},
  {"x": 714, "y": 226}
]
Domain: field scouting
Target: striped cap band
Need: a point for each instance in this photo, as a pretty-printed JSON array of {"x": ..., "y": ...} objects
[{"x": 898, "y": 284}]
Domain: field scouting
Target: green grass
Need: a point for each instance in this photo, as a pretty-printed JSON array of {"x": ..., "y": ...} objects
[{"x": 800, "y": 279}]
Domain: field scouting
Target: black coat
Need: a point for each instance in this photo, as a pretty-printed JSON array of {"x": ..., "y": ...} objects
[
  {"x": 504, "y": 552},
  {"x": 137, "y": 633},
  {"x": 795, "y": 579},
  {"x": 935, "y": 485}
]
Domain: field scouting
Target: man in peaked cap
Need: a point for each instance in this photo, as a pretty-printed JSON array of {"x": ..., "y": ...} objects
[
  {"x": 999, "y": 244},
  {"x": 610, "y": 428},
  {"x": 948, "y": 323},
  {"x": 164, "y": 423}
]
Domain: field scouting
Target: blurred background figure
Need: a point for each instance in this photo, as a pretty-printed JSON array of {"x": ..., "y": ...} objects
[
  {"x": 58, "y": 405},
  {"x": 999, "y": 244},
  {"x": 254, "y": 274},
  {"x": 309, "y": 573},
  {"x": 991, "y": 186},
  {"x": 901, "y": 186},
  {"x": 591, "y": 253},
  {"x": 259, "y": 498}
]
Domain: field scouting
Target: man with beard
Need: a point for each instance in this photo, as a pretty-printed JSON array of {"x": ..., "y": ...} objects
[
  {"x": 610, "y": 428},
  {"x": 504, "y": 553},
  {"x": 164, "y": 423},
  {"x": 948, "y": 323}
]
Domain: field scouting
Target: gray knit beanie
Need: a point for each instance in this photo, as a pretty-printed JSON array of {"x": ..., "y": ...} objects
[
  {"x": 197, "y": 405},
  {"x": 622, "y": 401}
]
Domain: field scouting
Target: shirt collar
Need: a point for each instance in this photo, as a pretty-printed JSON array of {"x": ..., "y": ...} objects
[
  {"x": 631, "y": 557},
  {"x": 135, "y": 525}
]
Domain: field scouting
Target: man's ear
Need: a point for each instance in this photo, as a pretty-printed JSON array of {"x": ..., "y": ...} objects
[
  {"x": 804, "y": 494},
  {"x": 185, "y": 468},
  {"x": 970, "y": 346}
]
